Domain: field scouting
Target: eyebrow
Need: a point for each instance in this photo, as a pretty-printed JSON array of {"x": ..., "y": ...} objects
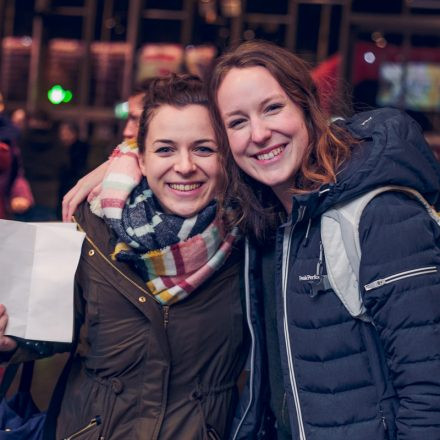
[
  {"x": 169, "y": 141},
  {"x": 261, "y": 104},
  {"x": 270, "y": 98},
  {"x": 163, "y": 141},
  {"x": 203, "y": 141}
]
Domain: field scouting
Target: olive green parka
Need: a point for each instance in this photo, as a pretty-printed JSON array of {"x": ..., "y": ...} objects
[{"x": 146, "y": 371}]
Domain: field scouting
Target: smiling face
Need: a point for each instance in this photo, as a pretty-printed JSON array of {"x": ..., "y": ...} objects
[
  {"x": 267, "y": 132},
  {"x": 180, "y": 160}
]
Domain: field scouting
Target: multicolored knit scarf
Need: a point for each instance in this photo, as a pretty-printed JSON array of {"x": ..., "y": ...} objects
[{"x": 173, "y": 255}]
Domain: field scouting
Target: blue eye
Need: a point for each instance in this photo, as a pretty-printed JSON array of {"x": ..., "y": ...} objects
[
  {"x": 205, "y": 150},
  {"x": 235, "y": 123},
  {"x": 163, "y": 149}
]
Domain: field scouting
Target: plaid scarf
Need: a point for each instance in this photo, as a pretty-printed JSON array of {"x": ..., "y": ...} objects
[{"x": 173, "y": 255}]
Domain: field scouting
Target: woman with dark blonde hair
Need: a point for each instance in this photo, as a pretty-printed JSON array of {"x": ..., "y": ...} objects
[{"x": 332, "y": 373}]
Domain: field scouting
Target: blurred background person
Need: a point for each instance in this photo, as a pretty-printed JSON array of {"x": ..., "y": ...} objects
[
  {"x": 42, "y": 162},
  {"x": 131, "y": 128},
  {"x": 15, "y": 193},
  {"x": 75, "y": 152},
  {"x": 5, "y": 165},
  {"x": 135, "y": 105}
]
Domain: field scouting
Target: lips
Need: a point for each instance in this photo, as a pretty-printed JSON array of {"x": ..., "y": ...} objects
[
  {"x": 184, "y": 186},
  {"x": 271, "y": 153}
]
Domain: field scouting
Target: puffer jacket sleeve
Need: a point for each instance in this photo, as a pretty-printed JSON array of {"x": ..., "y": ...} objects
[{"x": 400, "y": 240}]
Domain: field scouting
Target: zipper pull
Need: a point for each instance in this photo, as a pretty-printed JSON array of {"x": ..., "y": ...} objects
[
  {"x": 384, "y": 423},
  {"x": 374, "y": 284},
  {"x": 94, "y": 422}
]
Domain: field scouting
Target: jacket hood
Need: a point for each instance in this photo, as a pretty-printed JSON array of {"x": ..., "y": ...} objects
[{"x": 391, "y": 151}]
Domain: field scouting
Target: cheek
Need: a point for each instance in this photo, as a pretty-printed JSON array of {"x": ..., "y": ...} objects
[
  {"x": 143, "y": 167},
  {"x": 236, "y": 143},
  {"x": 215, "y": 172}
]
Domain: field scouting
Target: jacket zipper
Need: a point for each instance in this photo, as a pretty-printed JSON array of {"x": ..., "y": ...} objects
[
  {"x": 94, "y": 422},
  {"x": 166, "y": 315},
  {"x": 251, "y": 331},
  {"x": 112, "y": 265},
  {"x": 400, "y": 276},
  {"x": 384, "y": 422},
  {"x": 286, "y": 253}
]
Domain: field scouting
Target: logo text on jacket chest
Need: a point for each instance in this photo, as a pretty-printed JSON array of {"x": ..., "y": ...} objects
[{"x": 309, "y": 277}]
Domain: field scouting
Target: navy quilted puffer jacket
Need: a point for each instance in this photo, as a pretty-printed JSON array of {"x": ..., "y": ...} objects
[{"x": 346, "y": 379}]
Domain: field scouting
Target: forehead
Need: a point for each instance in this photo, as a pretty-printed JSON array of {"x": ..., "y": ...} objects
[
  {"x": 188, "y": 121},
  {"x": 248, "y": 84}
]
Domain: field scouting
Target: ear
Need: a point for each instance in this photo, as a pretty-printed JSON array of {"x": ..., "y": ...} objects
[{"x": 141, "y": 161}]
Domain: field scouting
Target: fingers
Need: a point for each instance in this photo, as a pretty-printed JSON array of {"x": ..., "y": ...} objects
[
  {"x": 70, "y": 202},
  {"x": 6, "y": 343}
]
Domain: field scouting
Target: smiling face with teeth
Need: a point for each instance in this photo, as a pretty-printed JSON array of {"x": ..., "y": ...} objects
[
  {"x": 267, "y": 132},
  {"x": 180, "y": 160}
]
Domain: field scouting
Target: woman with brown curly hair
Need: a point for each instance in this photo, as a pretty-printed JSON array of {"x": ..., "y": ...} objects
[{"x": 160, "y": 325}]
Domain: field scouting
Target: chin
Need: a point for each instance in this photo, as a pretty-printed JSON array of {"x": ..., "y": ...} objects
[{"x": 185, "y": 213}]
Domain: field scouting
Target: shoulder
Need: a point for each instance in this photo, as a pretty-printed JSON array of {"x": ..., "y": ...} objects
[
  {"x": 88, "y": 221},
  {"x": 394, "y": 208},
  {"x": 365, "y": 123},
  {"x": 397, "y": 228}
]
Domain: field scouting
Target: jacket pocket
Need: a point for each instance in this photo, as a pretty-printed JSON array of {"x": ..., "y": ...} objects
[
  {"x": 400, "y": 276},
  {"x": 113, "y": 387},
  {"x": 207, "y": 432},
  {"x": 212, "y": 434},
  {"x": 89, "y": 431}
]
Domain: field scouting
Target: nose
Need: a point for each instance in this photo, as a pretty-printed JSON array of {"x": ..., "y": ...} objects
[
  {"x": 260, "y": 132},
  {"x": 185, "y": 164}
]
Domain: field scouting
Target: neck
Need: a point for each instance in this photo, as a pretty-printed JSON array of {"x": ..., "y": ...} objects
[{"x": 285, "y": 197}]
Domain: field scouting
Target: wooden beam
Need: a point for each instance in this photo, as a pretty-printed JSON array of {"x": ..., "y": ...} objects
[
  {"x": 397, "y": 23},
  {"x": 88, "y": 34},
  {"x": 292, "y": 25},
  {"x": 324, "y": 33},
  {"x": 38, "y": 49},
  {"x": 188, "y": 22},
  {"x": 164, "y": 14},
  {"x": 134, "y": 14}
]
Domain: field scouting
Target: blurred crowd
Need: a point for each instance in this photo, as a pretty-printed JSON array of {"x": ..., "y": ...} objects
[{"x": 39, "y": 161}]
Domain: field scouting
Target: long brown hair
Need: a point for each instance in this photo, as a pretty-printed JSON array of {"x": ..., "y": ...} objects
[{"x": 329, "y": 145}]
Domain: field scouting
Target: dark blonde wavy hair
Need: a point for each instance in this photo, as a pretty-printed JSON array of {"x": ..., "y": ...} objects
[{"x": 329, "y": 145}]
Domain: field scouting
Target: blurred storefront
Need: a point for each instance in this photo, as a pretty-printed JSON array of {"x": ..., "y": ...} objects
[{"x": 388, "y": 52}]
